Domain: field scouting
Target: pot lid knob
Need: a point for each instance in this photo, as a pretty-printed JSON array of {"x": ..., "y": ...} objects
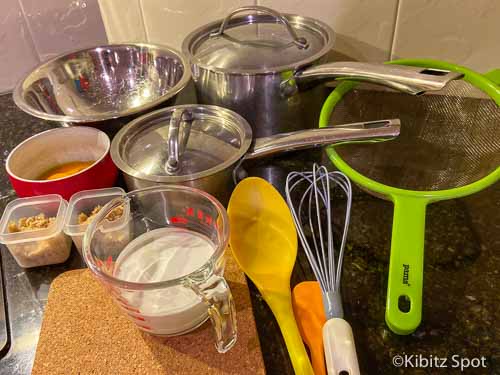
[{"x": 178, "y": 134}]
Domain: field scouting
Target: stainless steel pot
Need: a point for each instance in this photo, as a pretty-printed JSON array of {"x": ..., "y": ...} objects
[
  {"x": 264, "y": 66},
  {"x": 201, "y": 146}
]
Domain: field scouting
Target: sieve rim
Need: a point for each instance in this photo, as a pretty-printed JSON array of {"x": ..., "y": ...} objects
[{"x": 478, "y": 80}]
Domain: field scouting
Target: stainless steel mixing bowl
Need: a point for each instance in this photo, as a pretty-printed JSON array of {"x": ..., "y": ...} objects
[{"x": 96, "y": 85}]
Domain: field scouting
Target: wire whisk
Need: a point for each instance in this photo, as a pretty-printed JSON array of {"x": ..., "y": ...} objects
[
  {"x": 316, "y": 198},
  {"x": 312, "y": 215}
]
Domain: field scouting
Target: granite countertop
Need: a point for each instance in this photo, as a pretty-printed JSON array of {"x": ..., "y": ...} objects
[{"x": 461, "y": 280}]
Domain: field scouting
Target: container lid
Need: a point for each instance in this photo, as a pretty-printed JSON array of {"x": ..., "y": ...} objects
[
  {"x": 52, "y": 205},
  {"x": 90, "y": 199},
  {"x": 181, "y": 143},
  {"x": 263, "y": 41}
]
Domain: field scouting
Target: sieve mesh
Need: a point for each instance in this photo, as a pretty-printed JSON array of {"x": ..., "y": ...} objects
[{"x": 448, "y": 139}]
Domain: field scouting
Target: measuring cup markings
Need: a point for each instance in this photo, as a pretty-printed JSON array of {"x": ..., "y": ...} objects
[
  {"x": 130, "y": 308},
  {"x": 137, "y": 317},
  {"x": 114, "y": 292},
  {"x": 124, "y": 304},
  {"x": 178, "y": 220},
  {"x": 107, "y": 266},
  {"x": 147, "y": 328},
  {"x": 122, "y": 300},
  {"x": 190, "y": 212}
]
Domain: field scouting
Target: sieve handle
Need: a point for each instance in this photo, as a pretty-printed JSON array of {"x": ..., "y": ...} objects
[{"x": 404, "y": 290}]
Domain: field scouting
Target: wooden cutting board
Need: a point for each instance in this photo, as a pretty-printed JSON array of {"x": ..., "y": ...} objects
[{"x": 83, "y": 332}]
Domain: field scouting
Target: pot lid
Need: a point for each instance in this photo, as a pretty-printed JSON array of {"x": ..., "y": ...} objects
[
  {"x": 181, "y": 143},
  {"x": 261, "y": 42}
]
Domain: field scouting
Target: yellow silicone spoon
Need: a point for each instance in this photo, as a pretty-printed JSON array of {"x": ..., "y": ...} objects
[{"x": 264, "y": 243}]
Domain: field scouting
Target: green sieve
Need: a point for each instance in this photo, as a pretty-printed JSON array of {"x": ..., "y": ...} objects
[{"x": 449, "y": 147}]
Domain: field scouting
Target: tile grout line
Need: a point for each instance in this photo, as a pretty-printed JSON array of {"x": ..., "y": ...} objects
[
  {"x": 394, "y": 31},
  {"x": 143, "y": 21},
  {"x": 30, "y": 32}
]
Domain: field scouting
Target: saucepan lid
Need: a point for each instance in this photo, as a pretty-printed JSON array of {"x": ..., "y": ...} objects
[
  {"x": 260, "y": 41},
  {"x": 181, "y": 143}
]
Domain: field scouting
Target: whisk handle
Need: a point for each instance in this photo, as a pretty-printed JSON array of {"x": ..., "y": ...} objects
[
  {"x": 340, "y": 350},
  {"x": 404, "y": 288}
]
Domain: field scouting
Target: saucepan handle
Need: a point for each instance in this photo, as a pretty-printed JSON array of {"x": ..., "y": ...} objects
[
  {"x": 409, "y": 79},
  {"x": 371, "y": 131}
]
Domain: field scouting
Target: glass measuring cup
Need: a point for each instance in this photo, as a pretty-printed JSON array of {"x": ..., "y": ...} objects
[{"x": 168, "y": 277}]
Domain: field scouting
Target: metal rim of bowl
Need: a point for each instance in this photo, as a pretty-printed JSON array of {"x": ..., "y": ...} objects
[
  {"x": 244, "y": 129},
  {"x": 186, "y": 76}
]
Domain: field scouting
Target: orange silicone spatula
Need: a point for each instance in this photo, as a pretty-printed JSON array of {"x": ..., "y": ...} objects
[{"x": 310, "y": 316}]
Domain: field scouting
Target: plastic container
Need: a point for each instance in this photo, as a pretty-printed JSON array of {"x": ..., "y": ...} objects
[
  {"x": 85, "y": 201},
  {"x": 38, "y": 247}
]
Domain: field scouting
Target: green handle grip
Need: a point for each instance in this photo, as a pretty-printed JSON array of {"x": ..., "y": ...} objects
[
  {"x": 281, "y": 306},
  {"x": 404, "y": 291}
]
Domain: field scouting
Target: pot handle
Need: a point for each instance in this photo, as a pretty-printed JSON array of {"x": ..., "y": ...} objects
[
  {"x": 372, "y": 131},
  {"x": 298, "y": 41},
  {"x": 409, "y": 79}
]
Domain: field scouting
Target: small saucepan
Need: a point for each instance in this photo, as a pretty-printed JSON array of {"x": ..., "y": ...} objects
[{"x": 201, "y": 146}]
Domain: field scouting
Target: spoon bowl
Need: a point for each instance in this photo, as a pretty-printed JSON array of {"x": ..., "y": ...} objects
[{"x": 264, "y": 243}]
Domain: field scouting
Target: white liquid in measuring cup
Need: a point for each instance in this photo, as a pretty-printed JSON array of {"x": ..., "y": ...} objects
[{"x": 159, "y": 255}]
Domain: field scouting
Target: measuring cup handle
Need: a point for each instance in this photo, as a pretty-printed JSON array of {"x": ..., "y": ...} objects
[{"x": 216, "y": 294}]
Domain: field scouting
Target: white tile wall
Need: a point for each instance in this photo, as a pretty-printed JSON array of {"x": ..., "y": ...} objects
[
  {"x": 464, "y": 32},
  {"x": 32, "y": 31},
  {"x": 59, "y": 26},
  {"x": 123, "y": 20},
  {"x": 169, "y": 21},
  {"x": 364, "y": 29},
  {"x": 17, "y": 51}
]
